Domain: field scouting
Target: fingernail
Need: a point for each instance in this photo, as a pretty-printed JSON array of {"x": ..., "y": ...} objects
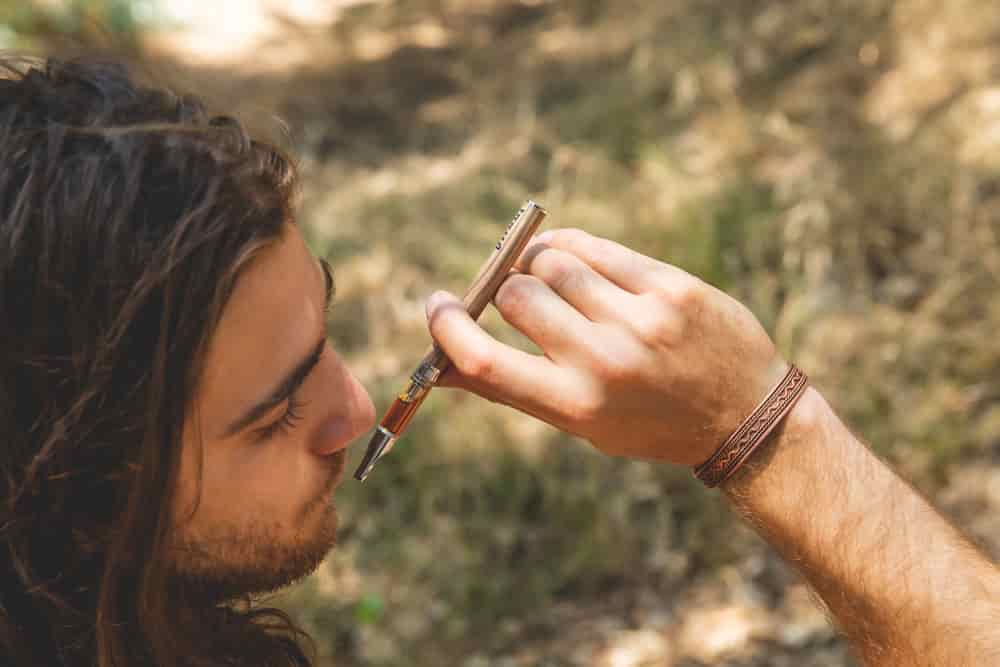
[
  {"x": 436, "y": 300},
  {"x": 544, "y": 236}
]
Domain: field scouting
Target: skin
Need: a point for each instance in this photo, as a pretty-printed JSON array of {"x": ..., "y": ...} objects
[
  {"x": 641, "y": 359},
  {"x": 265, "y": 515},
  {"x": 646, "y": 361}
]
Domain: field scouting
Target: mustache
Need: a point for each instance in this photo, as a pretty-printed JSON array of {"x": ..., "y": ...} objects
[{"x": 337, "y": 462}]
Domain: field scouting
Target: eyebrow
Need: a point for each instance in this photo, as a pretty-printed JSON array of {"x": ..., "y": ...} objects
[{"x": 294, "y": 379}]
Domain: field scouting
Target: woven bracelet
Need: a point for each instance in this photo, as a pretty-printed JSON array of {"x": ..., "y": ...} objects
[{"x": 754, "y": 429}]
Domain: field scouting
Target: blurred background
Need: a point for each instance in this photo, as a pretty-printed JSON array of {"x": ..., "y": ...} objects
[{"x": 834, "y": 164}]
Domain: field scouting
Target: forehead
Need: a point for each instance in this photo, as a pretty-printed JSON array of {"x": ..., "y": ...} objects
[{"x": 271, "y": 322}]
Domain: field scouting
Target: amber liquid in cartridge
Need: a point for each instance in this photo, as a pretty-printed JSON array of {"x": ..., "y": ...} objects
[
  {"x": 399, "y": 414},
  {"x": 483, "y": 289},
  {"x": 401, "y": 411}
]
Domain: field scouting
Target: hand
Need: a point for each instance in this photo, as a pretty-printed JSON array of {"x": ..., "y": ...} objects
[{"x": 640, "y": 358}]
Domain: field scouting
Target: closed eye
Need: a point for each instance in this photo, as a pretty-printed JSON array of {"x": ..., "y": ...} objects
[
  {"x": 285, "y": 423},
  {"x": 331, "y": 287}
]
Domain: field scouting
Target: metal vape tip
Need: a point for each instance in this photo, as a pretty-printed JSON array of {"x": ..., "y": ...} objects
[{"x": 380, "y": 444}]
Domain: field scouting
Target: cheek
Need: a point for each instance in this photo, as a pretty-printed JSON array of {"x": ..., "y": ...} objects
[
  {"x": 267, "y": 481},
  {"x": 243, "y": 484}
]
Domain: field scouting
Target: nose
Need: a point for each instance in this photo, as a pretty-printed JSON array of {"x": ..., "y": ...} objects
[{"x": 351, "y": 411}]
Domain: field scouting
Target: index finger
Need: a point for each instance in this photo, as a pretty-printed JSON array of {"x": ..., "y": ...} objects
[
  {"x": 531, "y": 383},
  {"x": 630, "y": 270}
]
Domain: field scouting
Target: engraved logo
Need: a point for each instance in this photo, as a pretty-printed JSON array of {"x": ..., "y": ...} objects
[{"x": 509, "y": 226}]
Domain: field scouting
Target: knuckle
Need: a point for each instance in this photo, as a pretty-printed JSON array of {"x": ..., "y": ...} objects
[
  {"x": 658, "y": 326},
  {"x": 513, "y": 296},
  {"x": 617, "y": 370},
  {"x": 614, "y": 367},
  {"x": 476, "y": 365},
  {"x": 685, "y": 294},
  {"x": 588, "y": 408},
  {"x": 559, "y": 273},
  {"x": 569, "y": 237}
]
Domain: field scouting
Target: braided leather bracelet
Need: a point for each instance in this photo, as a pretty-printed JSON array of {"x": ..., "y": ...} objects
[{"x": 754, "y": 429}]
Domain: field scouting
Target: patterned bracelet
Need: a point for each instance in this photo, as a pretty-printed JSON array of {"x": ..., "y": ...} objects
[{"x": 754, "y": 429}]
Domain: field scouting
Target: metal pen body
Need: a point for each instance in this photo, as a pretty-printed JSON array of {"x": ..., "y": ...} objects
[{"x": 484, "y": 287}]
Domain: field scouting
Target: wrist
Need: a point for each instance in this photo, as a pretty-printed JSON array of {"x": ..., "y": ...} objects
[
  {"x": 807, "y": 418},
  {"x": 803, "y": 424},
  {"x": 755, "y": 430}
]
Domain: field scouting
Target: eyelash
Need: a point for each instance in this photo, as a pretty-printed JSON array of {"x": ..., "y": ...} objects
[
  {"x": 286, "y": 422},
  {"x": 331, "y": 285}
]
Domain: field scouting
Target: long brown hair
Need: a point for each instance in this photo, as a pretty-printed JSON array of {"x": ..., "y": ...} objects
[{"x": 127, "y": 214}]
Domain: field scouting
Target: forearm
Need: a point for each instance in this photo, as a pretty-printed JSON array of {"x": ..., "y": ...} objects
[{"x": 901, "y": 582}]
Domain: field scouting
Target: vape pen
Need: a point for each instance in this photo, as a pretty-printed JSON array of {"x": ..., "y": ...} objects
[{"x": 483, "y": 289}]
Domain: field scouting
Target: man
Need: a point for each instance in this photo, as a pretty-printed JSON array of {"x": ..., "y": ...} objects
[{"x": 174, "y": 418}]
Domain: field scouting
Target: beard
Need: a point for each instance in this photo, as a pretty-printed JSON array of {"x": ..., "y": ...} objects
[{"x": 239, "y": 560}]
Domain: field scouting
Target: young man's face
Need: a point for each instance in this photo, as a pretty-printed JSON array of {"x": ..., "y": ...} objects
[{"x": 274, "y": 412}]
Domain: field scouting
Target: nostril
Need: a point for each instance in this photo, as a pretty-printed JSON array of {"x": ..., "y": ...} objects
[{"x": 336, "y": 434}]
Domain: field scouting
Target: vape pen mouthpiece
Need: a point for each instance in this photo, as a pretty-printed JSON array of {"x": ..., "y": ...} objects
[{"x": 380, "y": 444}]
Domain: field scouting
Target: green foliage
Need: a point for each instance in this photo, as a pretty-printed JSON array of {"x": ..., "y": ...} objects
[
  {"x": 26, "y": 23},
  {"x": 369, "y": 609}
]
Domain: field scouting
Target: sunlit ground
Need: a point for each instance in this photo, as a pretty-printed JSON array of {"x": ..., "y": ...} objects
[{"x": 248, "y": 33}]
